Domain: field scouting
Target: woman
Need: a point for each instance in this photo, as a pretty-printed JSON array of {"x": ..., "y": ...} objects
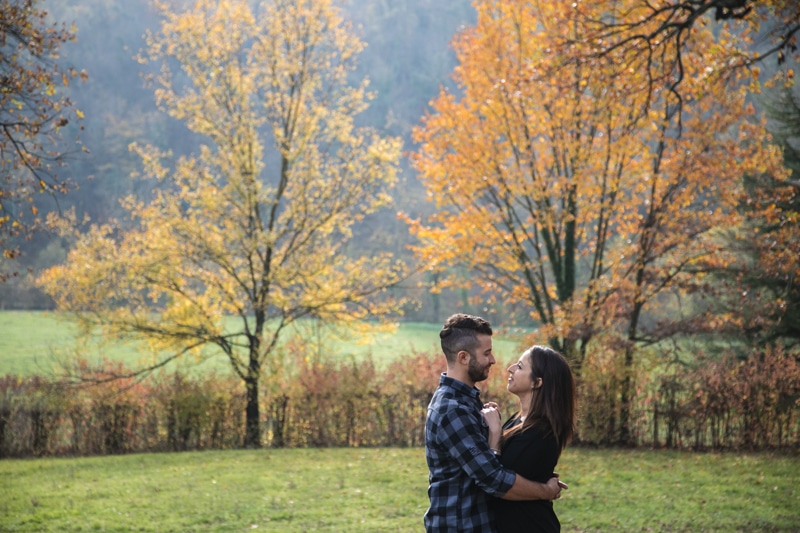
[{"x": 531, "y": 441}]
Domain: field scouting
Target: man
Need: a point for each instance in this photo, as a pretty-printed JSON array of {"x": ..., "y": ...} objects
[{"x": 463, "y": 470}]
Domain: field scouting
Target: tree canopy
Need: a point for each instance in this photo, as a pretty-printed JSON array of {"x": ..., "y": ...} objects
[{"x": 653, "y": 38}]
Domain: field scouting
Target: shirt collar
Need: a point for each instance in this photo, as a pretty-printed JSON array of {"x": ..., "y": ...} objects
[{"x": 459, "y": 386}]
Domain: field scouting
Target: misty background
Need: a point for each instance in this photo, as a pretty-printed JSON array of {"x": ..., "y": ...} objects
[{"x": 407, "y": 59}]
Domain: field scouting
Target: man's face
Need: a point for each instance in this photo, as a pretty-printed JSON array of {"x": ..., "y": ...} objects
[{"x": 482, "y": 360}]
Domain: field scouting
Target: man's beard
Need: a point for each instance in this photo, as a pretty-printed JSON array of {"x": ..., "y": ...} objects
[{"x": 475, "y": 372}]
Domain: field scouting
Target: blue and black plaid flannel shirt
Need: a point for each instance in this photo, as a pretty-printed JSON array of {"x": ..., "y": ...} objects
[{"x": 463, "y": 470}]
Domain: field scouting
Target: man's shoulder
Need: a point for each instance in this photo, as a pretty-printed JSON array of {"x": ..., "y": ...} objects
[
  {"x": 453, "y": 414},
  {"x": 447, "y": 398}
]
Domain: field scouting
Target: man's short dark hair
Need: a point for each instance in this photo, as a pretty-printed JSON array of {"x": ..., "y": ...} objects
[{"x": 460, "y": 332}]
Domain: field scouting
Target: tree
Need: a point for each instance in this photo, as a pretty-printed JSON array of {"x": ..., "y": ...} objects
[
  {"x": 256, "y": 226},
  {"x": 33, "y": 111},
  {"x": 510, "y": 163},
  {"x": 651, "y": 38},
  {"x": 778, "y": 237},
  {"x": 767, "y": 274},
  {"x": 562, "y": 197}
]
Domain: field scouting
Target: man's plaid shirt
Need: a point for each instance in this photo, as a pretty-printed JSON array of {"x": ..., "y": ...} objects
[{"x": 463, "y": 470}]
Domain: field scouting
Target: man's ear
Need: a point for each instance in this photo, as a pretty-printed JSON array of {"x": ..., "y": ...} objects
[{"x": 463, "y": 357}]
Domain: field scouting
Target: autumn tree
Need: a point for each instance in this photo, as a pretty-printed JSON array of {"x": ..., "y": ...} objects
[
  {"x": 658, "y": 41},
  {"x": 510, "y": 163},
  {"x": 256, "y": 225},
  {"x": 560, "y": 195},
  {"x": 33, "y": 111}
]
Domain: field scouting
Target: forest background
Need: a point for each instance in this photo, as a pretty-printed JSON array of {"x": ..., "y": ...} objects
[{"x": 691, "y": 344}]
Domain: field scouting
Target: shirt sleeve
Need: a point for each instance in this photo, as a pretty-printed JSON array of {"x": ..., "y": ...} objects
[{"x": 461, "y": 434}]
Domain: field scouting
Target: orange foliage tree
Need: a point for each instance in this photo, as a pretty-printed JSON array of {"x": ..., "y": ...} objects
[{"x": 591, "y": 196}]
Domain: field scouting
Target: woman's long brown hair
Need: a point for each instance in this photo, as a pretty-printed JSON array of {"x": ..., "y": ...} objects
[{"x": 552, "y": 405}]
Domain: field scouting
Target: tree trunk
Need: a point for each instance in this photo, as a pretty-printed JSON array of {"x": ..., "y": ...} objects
[
  {"x": 279, "y": 408},
  {"x": 252, "y": 437},
  {"x": 627, "y": 380},
  {"x": 625, "y": 400}
]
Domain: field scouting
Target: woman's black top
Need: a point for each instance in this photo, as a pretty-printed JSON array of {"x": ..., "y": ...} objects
[{"x": 533, "y": 455}]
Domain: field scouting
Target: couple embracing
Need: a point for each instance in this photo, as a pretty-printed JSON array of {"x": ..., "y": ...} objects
[{"x": 485, "y": 477}]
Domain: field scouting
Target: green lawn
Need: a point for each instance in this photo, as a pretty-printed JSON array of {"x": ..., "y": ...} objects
[
  {"x": 376, "y": 490},
  {"x": 368, "y": 490},
  {"x": 33, "y": 342}
]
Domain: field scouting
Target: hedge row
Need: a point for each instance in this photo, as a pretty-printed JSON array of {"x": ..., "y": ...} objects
[
  {"x": 39, "y": 417},
  {"x": 717, "y": 404},
  {"x": 714, "y": 403}
]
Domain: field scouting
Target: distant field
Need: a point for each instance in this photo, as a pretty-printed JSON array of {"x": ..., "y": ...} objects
[
  {"x": 33, "y": 342},
  {"x": 384, "y": 490}
]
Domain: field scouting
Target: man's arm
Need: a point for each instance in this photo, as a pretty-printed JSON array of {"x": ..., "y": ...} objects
[{"x": 525, "y": 489}]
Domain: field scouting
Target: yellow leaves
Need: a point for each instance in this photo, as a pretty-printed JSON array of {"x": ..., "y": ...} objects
[{"x": 224, "y": 233}]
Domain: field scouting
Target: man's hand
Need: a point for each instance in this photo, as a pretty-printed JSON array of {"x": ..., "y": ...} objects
[
  {"x": 556, "y": 485},
  {"x": 525, "y": 489}
]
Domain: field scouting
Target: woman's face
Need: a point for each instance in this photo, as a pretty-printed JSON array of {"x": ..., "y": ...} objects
[{"x": 519, "y": 376}]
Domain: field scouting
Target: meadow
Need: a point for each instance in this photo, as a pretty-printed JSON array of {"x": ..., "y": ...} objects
[
  {"x": 34, "y": 342},
  {"x": 384, "y": 490},
  {"x": 359, "y": 489}
]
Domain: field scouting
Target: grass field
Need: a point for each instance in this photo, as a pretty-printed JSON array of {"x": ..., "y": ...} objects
[
  {"x": 365, "y": 490},
  {"x": 384, "y": 490},
  {"x": 33, "y": 342}
]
